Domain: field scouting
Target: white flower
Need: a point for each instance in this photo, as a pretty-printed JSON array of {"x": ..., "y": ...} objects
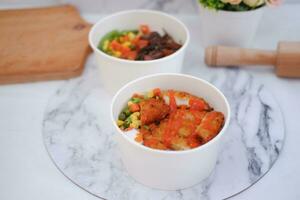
[
  {"x": 232, "y": 2},
  {"x": 253, "y": 3}
]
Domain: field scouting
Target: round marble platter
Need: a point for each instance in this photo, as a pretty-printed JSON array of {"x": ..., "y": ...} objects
[{"x": 79, "y": 137}]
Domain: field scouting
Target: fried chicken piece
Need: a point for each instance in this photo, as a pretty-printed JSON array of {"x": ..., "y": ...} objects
[
  {"x": 184, "y": 98},
  {"x": 210, "y": 125},
  {"x": 153, "y": 110},
  {"x": 152, "y": 140},
  {"x": 197, "y": 103},
  {"x": 177, "y": 131}
]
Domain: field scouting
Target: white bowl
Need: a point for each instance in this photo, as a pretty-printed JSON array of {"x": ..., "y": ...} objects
[
  {"x": 169, "y": 170},
  {"x": 116, "y": 72}
]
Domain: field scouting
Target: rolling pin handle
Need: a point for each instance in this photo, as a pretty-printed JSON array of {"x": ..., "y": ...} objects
[{"x": 235, "y": 56}]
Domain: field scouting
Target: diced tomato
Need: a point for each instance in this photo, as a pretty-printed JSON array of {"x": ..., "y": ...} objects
[
  {"x": 196, "y": 104},
  {"x": 125, "y": 38},
  {"x": 130, "y": 55},
  {"x": 125, "y": 52},
  {"x": 135, "y": 40},
  {"x": 157, "y": 92},
  {"x": 142, "y": 43},
  {"x": 125, "y": 49},
  {"x": 172, "y": 100},
  {"x": 145, "y": 29},
  {"x": 134, "y": 107},
  {"x": 115, "y": 45}
]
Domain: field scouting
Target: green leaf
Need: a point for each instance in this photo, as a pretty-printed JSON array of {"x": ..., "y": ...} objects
[
  {"x": 219, "y": 5},
  {"x": 212, "y": 4},
  {"x": 135, "y": 100}
]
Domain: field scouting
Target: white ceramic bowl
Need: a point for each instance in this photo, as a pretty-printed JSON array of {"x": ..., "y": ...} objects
[
  {"x": 116, "y": 72},
  {"x": 169, "y": 170}
]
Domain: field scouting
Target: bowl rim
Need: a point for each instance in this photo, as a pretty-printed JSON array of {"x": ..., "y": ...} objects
[
  {"x": 182, "y": 48},
  {"x": 200, "y": 148}
]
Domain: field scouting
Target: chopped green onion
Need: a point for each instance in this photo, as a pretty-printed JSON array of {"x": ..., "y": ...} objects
[
  {"x": 127, "y": 111},
  {"x": 135, "y": 100},
  {"x": 127, "y": 122},
  {"x": 125, "y": 125}
]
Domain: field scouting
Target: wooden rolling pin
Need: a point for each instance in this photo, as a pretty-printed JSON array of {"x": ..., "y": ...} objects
[{"x": 286, "y": 59}]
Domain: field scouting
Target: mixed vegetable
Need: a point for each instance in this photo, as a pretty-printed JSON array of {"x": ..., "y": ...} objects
[
  {"x": 170, "y": 120},
  {"x": 142, "y": 44}
]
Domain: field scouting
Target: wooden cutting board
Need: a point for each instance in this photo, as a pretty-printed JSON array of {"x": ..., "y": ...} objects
[{"x": 42, "y": 44}]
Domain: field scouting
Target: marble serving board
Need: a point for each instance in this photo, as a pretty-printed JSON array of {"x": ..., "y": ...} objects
[{"x": 79, "y": 137}]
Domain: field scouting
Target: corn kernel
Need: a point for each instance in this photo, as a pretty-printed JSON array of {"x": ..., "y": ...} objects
[
  {"x": 117, "y": 53},
  {"x": 135, "y": 116},
  {"x": 105, "y": 45},
  {"x": 131, "y": 35},
  {"x": 150, "y": 94},
  {"x": 120, "y": 122},
  {"x": 126, "y": 44},
  {"x": 135, "y": 124},
  {"x": 129, "y": 103}
]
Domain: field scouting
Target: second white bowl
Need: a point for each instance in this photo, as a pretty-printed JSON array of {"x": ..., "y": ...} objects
[
  {"x": 219, "y": 27},
  {"x": 116, "y": 72}
]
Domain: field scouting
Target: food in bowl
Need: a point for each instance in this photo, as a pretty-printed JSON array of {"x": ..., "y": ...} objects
[
  {"x": 142, "y": 44},
  {"x": 170, "y": 119},
  {"x": 125, "y": 70}
]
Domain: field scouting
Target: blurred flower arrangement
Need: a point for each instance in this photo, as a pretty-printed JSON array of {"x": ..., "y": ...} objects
[{"x": 238, "y": 5}]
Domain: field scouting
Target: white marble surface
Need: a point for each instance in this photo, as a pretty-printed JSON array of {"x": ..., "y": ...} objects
[{"x": 27, "y": 173}]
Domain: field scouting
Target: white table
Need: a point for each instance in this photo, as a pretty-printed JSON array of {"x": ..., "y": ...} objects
[{"x": 27, "y": 173}]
